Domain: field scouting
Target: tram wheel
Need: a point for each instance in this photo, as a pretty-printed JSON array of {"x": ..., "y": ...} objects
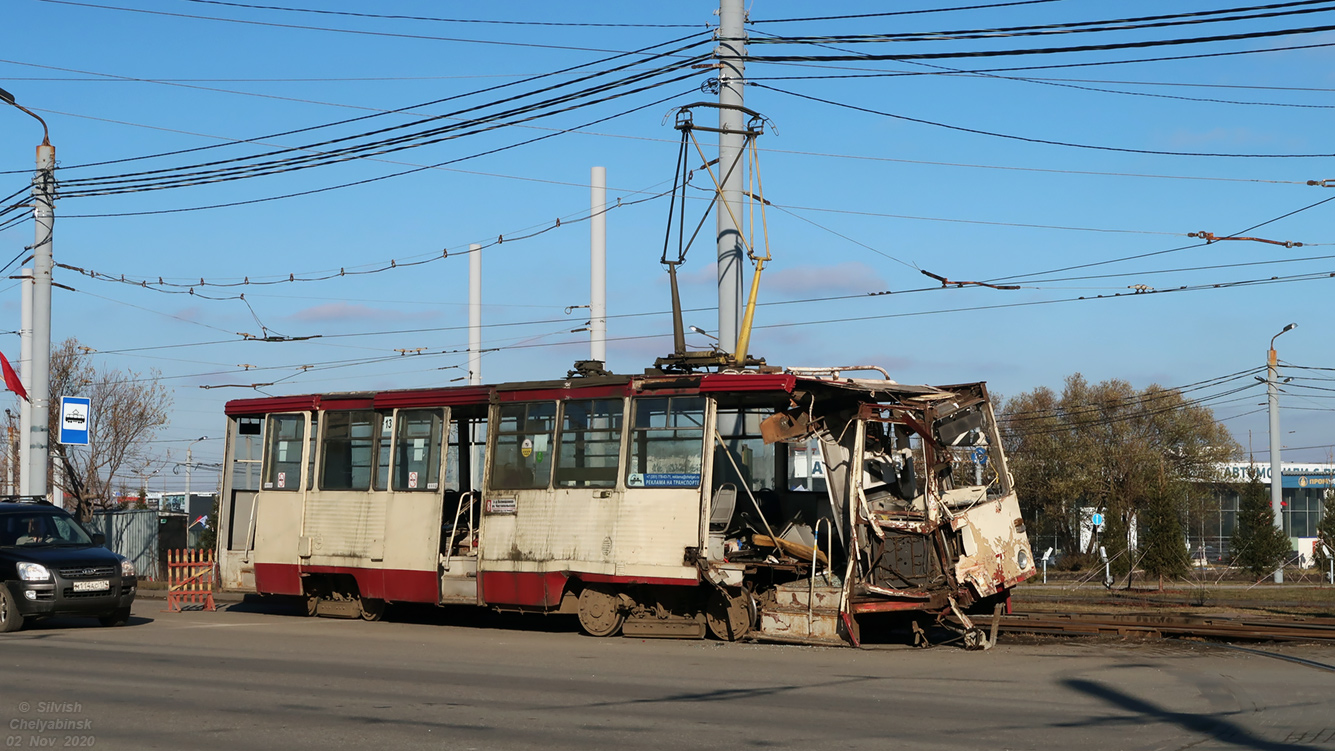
[
  {"x": 372, "y": 609},
  {"x": 729, "y": 614},
  {"x": 600, "y": 612}
]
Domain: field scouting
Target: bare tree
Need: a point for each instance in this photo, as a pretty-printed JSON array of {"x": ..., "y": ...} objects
[{"x": 128, "y": 410}]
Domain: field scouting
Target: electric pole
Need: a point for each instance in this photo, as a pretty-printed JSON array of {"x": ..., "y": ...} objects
[
  {"x": 44, "y": 215},
  {"x": 25, "y": 375},
  {"x": 731, "y": 55},
  {"x": 1276, "y": 469},
  {"x": 39, "y": 391},
  {"x": 598, "y": 265},
  {"x": 474, "y": 314}
]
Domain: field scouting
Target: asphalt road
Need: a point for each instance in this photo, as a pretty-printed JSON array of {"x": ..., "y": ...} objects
[{"x": 255, "y": 676}]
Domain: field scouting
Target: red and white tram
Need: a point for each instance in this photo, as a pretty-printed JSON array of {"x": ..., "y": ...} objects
[{"x": 772, "y": 504}]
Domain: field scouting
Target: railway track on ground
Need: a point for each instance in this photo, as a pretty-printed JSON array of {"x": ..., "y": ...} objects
[{"x": 1227, "y": 628}]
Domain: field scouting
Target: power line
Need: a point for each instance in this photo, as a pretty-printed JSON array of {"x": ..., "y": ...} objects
[
  {"x": 274, "y": 161},
  {"x": 453, "y": 20},
  {"x": 379, "y": 178},
  {"x": 357, "y": 32},
  {"x": 1093, "y": 264},
  {"x": 1038, "y": 50},
  {"x": 1164, "y": 392},
  {"x": 1140, "y": 413},
  {"x": 1300, "y": 7},
  {"x": 1052, "y": 66},
  {"x": 1028, "y": 139},
  {"x": 1211, "y": 267},
  {"x": 953, "y": 220},
  {"x": 903, "y": 12},
  {"x": 644, "y": 51},
  {"x": 1265, "y": 281},
  {"x": 1075, "y": 85},
  {"x": 1012, "y": 168},
  {"x": 188, "y": 288},
  {"x": 1189, "y": 84}
]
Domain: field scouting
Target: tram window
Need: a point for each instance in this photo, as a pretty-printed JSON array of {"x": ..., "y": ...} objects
[
  {"x": 452, "y": 457},
  {"x": 246, "y": 454},
  {"x": 347, "y": 450},
  {"x": 310, "y": 449},
  {"x": 465, "y": 454},
  {"x": 590, "y": 449},
  {"x": 383, "y": 443},
  {"x": 282, "y": 469},
  {"x": 667, "y": 442},
  {"x": 806, "y": 466},
  {"x": 524, "y": 446},
  {"x": 417, "y": 450},
  {"x": 740, "y": 430}
]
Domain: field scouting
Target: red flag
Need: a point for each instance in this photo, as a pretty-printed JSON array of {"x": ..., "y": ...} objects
[{"x": 12, "y": 381}]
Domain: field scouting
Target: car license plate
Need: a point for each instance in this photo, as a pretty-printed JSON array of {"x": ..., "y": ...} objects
[{"x": 96, "y": 585}]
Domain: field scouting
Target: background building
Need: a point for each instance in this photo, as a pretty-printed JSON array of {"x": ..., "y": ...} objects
[{"x": 1305, "y": 488}]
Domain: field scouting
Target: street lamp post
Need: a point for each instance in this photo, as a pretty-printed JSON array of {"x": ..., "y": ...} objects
[
  {"x": 39, "y": 391},
  {"x": 189, "y": 465},
  {"x": 1276, "y": 471}
]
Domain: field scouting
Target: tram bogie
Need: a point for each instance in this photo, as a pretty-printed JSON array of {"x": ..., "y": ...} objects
[{"x": 779, "y": 505}]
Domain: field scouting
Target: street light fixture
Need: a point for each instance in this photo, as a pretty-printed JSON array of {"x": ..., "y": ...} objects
[
  {"x": 38, "y": 439},
  {"x": 8, "y": 98},
  {"x": 1276, "y": 471},
  {"x": 1282, "y": 331}
]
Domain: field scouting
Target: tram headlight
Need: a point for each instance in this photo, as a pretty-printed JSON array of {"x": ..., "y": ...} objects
[{"x": 1022, "y": 559}]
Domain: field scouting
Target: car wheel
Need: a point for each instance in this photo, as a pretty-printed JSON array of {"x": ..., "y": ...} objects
[
  {"x": 10, "y": 617},
  {"x": 116, "y": 618}
]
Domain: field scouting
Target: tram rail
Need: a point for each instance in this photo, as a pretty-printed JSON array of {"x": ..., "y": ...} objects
[{"x": 1152, "y": 625}]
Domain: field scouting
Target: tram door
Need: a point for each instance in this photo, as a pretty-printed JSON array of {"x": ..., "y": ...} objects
[
  {"x": 460, "y": 510},
  {"x": 236, "y": 522},
  {"x": 660, "y": 515},
  {"x": 408, "y": 464},
  {"x": 278, "y": 507}
]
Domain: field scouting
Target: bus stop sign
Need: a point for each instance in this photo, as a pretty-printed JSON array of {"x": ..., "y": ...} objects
[{"x": 75, "y": 411}]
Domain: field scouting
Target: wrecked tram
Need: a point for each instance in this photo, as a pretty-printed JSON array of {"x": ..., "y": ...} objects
[{"x": 781, "y": 505}]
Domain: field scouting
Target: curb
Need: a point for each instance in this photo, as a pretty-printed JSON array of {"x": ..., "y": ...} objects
[{"x": 161, "y": 594}]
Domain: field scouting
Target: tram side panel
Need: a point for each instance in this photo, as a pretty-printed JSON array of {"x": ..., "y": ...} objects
[
  {"x": 653, "y": 531},
  {"x": 543, "y": 515},
  {"x": 374, "y": 503},
  {"x": 558, "y": 505}
]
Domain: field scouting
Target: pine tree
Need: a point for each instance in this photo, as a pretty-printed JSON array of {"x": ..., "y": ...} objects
[
  {"x": 1163, "y": 542},
  {"x": 1115, "y": 537},
  {"x": 1256, "y": 544},
  {"x": 1325, "y": 532}
]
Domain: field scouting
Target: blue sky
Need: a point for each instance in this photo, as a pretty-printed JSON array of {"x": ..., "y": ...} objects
[{"x": 863, "y": 200}]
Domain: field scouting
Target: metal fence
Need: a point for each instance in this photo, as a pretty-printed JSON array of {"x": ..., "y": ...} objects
[{"x": 133, "y": 534}]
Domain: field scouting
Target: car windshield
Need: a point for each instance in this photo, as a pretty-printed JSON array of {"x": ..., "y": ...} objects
[{"x": 36, "y": 528}]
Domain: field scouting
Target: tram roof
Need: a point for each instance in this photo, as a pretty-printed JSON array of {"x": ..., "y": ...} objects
[{"x": 610, "y": 386}]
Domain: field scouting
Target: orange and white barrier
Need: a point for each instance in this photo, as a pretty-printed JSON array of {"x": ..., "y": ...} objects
[{"x": 189, "y": 579}]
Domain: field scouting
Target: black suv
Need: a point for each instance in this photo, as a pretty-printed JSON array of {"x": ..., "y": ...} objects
[{"x": 50, "y": 565}]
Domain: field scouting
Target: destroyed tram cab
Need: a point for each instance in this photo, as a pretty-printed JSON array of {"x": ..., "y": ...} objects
[{"x": 665, "y": 504}]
